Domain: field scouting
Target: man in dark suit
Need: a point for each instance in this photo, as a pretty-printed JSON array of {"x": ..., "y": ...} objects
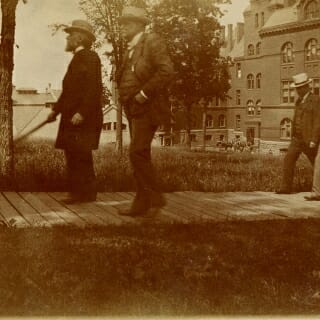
[
  {"x": 143, "y": 81},
  {"x": 81, "y": 112},
  {"x": 305, "y": 130}
]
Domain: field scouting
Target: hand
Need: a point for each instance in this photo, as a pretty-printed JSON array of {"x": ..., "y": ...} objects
[
  {"x": 77, "y": 119},
  {"x": 312, "y": 144},
  {"x": 52, "y": 116},
  {"x": 140, "y": 98}
]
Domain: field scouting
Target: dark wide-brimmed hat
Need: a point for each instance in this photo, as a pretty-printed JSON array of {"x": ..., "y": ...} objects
[
  {"x": 300, "y": 80},
  {"x": 134, "y": 14},
  {"x": 82, "y": 26}
]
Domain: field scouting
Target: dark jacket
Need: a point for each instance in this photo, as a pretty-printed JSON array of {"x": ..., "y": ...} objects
[
  {"x": 310, "y": 119},
  {"x": 153, "y": 71},
  {"x": 81, "y": 93}
]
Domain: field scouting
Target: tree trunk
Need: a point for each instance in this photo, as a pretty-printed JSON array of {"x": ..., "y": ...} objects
[
  {"x": 188, "y": 126},
  {"x": 8, "y": 9},
  {"x": 204, "y": 127}
]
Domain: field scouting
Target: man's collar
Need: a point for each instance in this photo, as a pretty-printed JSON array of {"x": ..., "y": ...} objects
[
  {"x": 305, "y": 97},
  {"x": 78, "y": 49},
  {"x": 135, "y": 40}
]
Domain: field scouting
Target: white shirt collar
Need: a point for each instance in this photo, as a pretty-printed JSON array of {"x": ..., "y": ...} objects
[
  {"x": 135, "y": 40},
  {"x": 78, "y": 49}
]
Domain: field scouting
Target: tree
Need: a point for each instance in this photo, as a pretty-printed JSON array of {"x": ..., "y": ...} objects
[
  {"x": 192, "y": 32},
  {"x": 8, "y": 10}
]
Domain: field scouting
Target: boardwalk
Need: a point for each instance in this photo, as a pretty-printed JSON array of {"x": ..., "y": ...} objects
[{"x": 39, "y": 209}]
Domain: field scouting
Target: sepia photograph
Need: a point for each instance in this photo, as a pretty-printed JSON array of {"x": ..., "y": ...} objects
[{"x": 160, "y": 159}]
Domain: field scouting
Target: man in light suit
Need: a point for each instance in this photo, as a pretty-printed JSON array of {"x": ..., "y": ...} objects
[
  {"x": 305, "y": 130},
  {"x": 81, "y": 112},
  {"x": 143, "y": 80}
]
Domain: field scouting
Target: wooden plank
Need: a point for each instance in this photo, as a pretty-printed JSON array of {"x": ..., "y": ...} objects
[
  {"x": 245, "y": 210},
  {"x": 11, "y": 215},
  {"x": 197, "y": 207},
  {"x": 165, "y": 214},
  {"x": 28, "y": 212},
  {"x": 42, "y": 208},
  {"x": 295, "y": 204},
  {"x": 66, "y": 214},
  {"x": 81, "y": 209}
]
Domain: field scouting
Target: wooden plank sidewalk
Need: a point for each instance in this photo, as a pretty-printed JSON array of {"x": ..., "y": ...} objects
[{"x": 39, "y": 209}]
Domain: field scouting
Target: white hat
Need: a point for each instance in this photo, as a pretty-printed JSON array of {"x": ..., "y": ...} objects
[{"x": 300, "y": 80}]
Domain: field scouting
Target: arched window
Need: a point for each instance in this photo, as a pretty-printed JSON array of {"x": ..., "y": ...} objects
[
  {"x": 262, "y": 18},
  {"x": 257, "y": 20},
  {"x": 250, "y": 50},
  {"x": 238, "y": 70},
  {"x": 258, "y": 108},
  {"x": 250, "y": 81},
  {"x": 287, "y": 52},
  {"x": 222, "y": 121},
  {"x": 250, "y": 108},
  {"x": 312, "y": 50},
  {"x": 285, "y": 128},
  {"x": 209, "y": 121},
  {"x": 311, "y": 10},
  {"x": 258, "y": 48},
  {"x": 258, "y": 80}
]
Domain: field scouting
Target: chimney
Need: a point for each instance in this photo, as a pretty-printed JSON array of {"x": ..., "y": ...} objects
[
  {"x": 240, "y": 31},
  {"x": 230, "y": 36}
]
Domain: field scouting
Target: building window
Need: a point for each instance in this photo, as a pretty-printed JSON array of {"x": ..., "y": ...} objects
[
  {"x": 262, "y": 18},
  {"x": 193, "y": 137},
  {"x": 250, "y": 81},
  {"x": 287, "y": 91},
  {"x": 209, "y": 121},
  {"x": 312, "y": 50},
  {"x": 250, "y": 50},
  {"x": 238, "y": 121},
  {"x": 258, "y": 108},
  {"x": 107, "y": 126},
  {"x": 238, "y": 97},
  {"x": 287, "y": 52},
  {"x": 257, "y": 20},
  {"x": 250, "y": 108},
  {"x": 258, "y": 48},
  {"x": 222, "y": 121},
  {"x": 258, "y": 79},
  {"x": 285, "y": 128},
  {"x": 217, "y": 101},
  {"x": 208, "y": 137},
  {"x": 315, "y": 84},
  {"x": 311, "y": 10},
  {"x": 238, "y": 70}
]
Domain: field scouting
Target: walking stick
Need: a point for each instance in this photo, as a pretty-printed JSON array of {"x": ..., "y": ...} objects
[{"x": 23, "y": 136}]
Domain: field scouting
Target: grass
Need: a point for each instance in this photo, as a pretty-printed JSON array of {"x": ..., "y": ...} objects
[
  {"x": 39, "y": 167},
  {"x": 229, "y": 268}
]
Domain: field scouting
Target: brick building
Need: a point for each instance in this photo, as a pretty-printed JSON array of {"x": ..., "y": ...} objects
[{"x": 277, "y": 39}]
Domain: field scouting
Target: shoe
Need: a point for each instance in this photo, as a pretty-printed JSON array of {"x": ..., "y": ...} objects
[
  {"x": 70, "y": 200},
  {"x": 283, "y": 191},
  {"x": 312, "y": 198}
]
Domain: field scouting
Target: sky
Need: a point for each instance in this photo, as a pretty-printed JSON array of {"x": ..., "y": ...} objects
[{"x": 40, "y": 58}]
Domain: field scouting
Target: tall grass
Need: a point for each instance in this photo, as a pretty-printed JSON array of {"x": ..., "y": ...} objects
[{"x": 40, "y": 167}]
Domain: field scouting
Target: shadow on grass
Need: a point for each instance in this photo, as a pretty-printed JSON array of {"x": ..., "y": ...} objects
[{"x": 229, "y": 268}]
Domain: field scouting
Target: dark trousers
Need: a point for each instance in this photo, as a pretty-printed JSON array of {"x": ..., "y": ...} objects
[
  {"x": 296, "y": 147},
  {"x": 80, "y": 174},
  {"x": 141, "y": 133}
]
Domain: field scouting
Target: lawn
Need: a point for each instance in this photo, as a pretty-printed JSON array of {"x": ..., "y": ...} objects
[
  {"x": 39, "y": 167},
  {"x": 229, "y": 268}
]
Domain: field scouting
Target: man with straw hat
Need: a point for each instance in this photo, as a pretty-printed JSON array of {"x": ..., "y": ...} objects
[
  {"x": 81, "y": 112},
  {"x": 143, "y": 80},
  {"x": 305, "y": 130}
]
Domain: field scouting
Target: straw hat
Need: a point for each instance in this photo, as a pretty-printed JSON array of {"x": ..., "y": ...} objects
[
  {"x": 300, "y": 80},
  {"x": 82, "y": 26}
]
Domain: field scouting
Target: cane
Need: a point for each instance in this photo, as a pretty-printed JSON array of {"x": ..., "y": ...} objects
[{"x": 23, "y": 136}]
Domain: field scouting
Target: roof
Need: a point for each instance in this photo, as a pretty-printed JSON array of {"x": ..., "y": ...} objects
[
  {"x": 32, "y": 98},
  {"x": 281, "y": 17}
]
